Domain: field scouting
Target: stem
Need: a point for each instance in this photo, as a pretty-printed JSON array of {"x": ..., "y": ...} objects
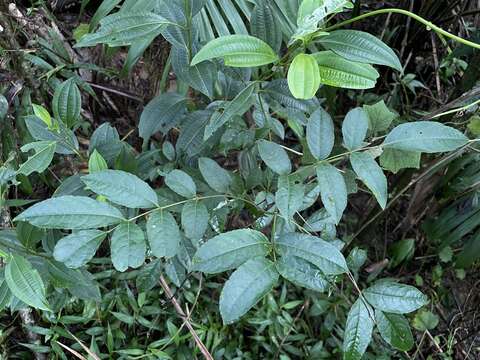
[{"x": 427, "y": 23}]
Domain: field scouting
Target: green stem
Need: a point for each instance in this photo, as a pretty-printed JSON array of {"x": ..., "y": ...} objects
[{"x": 427, "y": 23}]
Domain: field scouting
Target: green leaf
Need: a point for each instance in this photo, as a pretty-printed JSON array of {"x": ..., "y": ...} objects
[
  {"x": 302, "y": 273},
  {"x": 396, "y": 160},
  {"x": 125, "y": 28},
  {"x": 338, "y": 72},
  {"x": 38, "y": 162},
  {"x": 238, "y": 106},
  {"x": 245, "y": 287},
  {"x": 379, "y": 116},
  {"x": 425, "y": 320},
  {"x": 275, "y": 157},
  {"x": 25, "y": 283},
  {"x": 216, "y": 177},
  {"x": 161, "y": 114},
  {"x": 320, "y": 134},
  {"x": 333, "y": 190},
  {"x": 43, "y": 114},
  {"x": 289, "y": 196},
  {"x": 237, "y": 51},
  {"x": 229, "y": 250},
  {"x": 180, "y": 182},
  {"x": 361, "y": 47},
  {"x": 354, "y": 128},
  {"x": 264, "y": 26},
  {"x": 371, "y": 175},
  {"x": 163, "y": 234},
  {"x": 425, "y": 136},
  {"x": 394, "y": 297},
  {"x": 195, "y": 219},
  {"x": 67, "y": 102},
  {"x": 320, "y": 253},
  {"x": 358, "y": 331},
  {"x": 303, "y": 77},
  {"x": 96, "y": 162},
  {"x": 5, "y": 293},
  {"x": 122, "y": 188},
  {"x": 78, "y": 248},
  {"x": 395, "y": 330},
  {"x": 71, "y": 212},
  {"x": 128, "y": 246},
  {"x": 3, "y": 107}
]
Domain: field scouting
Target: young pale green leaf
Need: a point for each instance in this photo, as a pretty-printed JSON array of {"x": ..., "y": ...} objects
[
  {"x": 394, "y": 298},
  {"x": 358, "y": 331},
  {"x": 379, "y": 116},
  {"x": 320, "y": 134},
  {"x": 339, "y": 72},
  {"x": 303, "y": 77},
  {"x": 264, "y": 26},
  {"x": 163, "y": 234},
  {"x": 275, "y": 157},
  {"x": 128, "y": 246},
  {"x": 395, "y": 160},
  {"x": 371, "y": 175},
  {"x": 289, "y": 196},
  {"x": 320, "y": 253},
  {"x": 229, "y": 250},
  {"x": 194, "y": 219},
  {"x": 237, "y": 51},
  {"x": 71, "y": 212},
  {"x": 67, "y": 102},
  {"x": 245, "y": 287},
  {"x": 395, "y": 330},
  {"x": 39, "y": 161},
  {"x": 354, "y": 128},
  {"x": 238, "y": 106},
  {"x": 302, "y": 273},
  {"x": 122, "y": 188},
  {"x": 425, "y": 136},
  {"x": 96, "y": 162},
  {"x": 161, "y": 114},
  {"x": 333, "y": 190},
  {"x": 25, "y": 283},
  {"x": 43, "y": 114},
  {"x": 216, "y": 177},
  {"x": 78, "y": 248},
  {"x": 180, "y": 182},
  {"x": 125, "y": 28},
  {"x": 361, "y": 47}
]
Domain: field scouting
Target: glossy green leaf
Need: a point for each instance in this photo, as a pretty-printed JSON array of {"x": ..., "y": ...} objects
[
  {"x": 237, "y": 51},
  {"x": 302, "y": 273},
  {"x": 229, "y": 250},
  {"x": 195, "y": 219},
  {"x": 96, "y": 162},
  {"x": 354, "y": 128},
  {"x": 333, "y": 190},
  {"x": 71, "y": 212},
  {"x": 394, "y": 298},
  {"x": 425, "y": 136},
  {"x": 339, "y": 72},
  {"x": 371, "y": 175},
  {"x": 264, "y": 25},
  {"x": 361, "y": 47},
  {"x": 124, "y": 28},
  {"x": 274, "y": 156},
  {"x": 78, "y": 248},
  {"x": 358, "y": 331},
  {"x": 245, "y": 287},
  {"x": 289, "y": 196},
  {"x": 216, "y": 177},
  {"x": 25, "y": 282},
  {"x": 320, "y": 253},
  {"x": 163, "y": 234},
  {"x": 42, "y": 113},
  {"x": 128, "y": 246},
  {"x": 320, "y": 134},
  {"x": 67, "y": 102},
  {"x": 40, "y": 160},
  {"x": 180, "y": 182},
  {"x": 395, "y": 330},
  {"x": 303, "y": 77},
  {"x": 122, "y": 188}
]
